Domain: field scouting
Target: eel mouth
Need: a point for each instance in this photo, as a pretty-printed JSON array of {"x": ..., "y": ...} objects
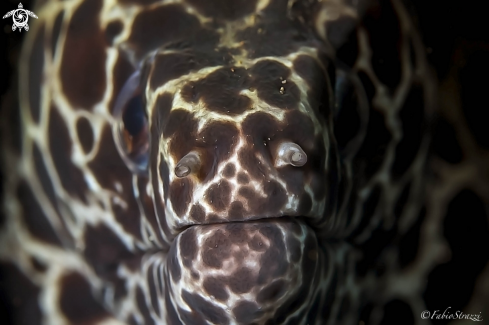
[{"x": 251, "y": 220}]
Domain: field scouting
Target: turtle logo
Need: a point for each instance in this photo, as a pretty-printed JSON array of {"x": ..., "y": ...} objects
[{"x": 20, "y": 17}]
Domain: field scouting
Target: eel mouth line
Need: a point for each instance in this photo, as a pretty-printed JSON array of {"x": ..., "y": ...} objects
[{"x": 279, "y": 219}]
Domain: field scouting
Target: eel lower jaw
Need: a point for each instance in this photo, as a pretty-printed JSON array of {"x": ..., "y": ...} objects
[{"x": 264, "y": 264}]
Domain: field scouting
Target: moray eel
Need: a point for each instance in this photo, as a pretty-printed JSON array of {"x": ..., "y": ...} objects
[{"x": 241, "y": 164}]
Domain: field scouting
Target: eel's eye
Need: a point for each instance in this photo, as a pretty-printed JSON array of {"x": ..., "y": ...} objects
[
  {"x": 290, "y": 153},
  {"x": 130, "y": 130}
]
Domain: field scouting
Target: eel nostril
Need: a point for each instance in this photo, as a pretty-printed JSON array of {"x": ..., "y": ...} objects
[
  {"x": 291, "y": 154},
  {"x": 298, "y": 158},
  {"x": 190, "y": 163},
  {"x": 182, "y": 171}
]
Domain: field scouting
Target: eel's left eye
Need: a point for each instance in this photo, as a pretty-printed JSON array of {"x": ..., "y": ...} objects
[{"x": 130, "y": 130}]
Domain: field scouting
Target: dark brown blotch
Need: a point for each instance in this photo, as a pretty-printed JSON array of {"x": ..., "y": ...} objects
[
  {"x": 216, "y": 249},
  {"x": 268, "y": 76},
  {"x": 299, "y": 128},
  {"x": 188, "y": 247},
  {"x": 243, "y": 178},
  {"x": 316, "y": 78},
  {"x": 60, "y": 146},
  {"x": 250, "y": 195},
  {"x": 113, "y": 29},
  {"x": 166, "y": 24},
  {"x": 236, "y": 211},
  {"x": 197, "y": 213},
  {"x": 131, "y": 320},
  {"x": 189, "y": 317},
  {"x": 220, "y": 91},
  {"x": 246, "y": 312},
  {"x": 171, "y": 66},
  {"x": 257, "y": 128},
  {"x": 181, "y": 195},
  {"x": 238, "y": 233},
  {"x": 104, "y": 250},
  {"x": 216, "y": 287},
  {"x": 220, "y": 138},
  {"x": 257, "y": 244},
  {"x": 214, "y": 218},
  {"x": 121, "y": 73},
  {"x": 83, "y": 66},
  {"x": 82, "y": 307},
  {"x": 85, "y": 134},
  {"x": 34, "y": 217},
  {"x": 229, "y": 171},
  {"x": 181, "y": 127},
  {"x": 219, "y": 195},
  {"x": 242, "y": 280}
]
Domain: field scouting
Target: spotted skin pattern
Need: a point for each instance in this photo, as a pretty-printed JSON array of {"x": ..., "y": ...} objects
[{"x": 245, "y": 239}]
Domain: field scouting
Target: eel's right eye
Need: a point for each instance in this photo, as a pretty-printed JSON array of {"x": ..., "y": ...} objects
[{"x": 130, "y": 130}]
